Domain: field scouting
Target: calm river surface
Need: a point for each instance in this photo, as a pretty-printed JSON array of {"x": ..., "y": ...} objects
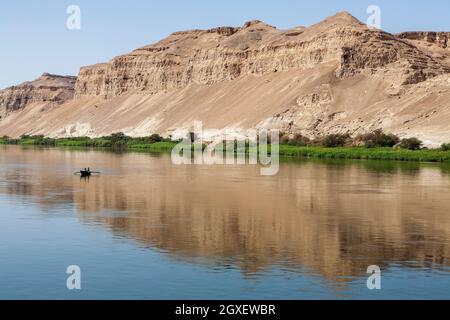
[{"x": 147, "y": 229}]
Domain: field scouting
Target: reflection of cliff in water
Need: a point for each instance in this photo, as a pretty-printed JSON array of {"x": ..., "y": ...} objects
[
  {"x": 32, "y": 174},
  {"x": 333, "y": 219}
]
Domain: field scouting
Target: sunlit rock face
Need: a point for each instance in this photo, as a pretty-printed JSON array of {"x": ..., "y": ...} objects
[
  {"x": 48, "y": 88},
  {"x": 437, "y": 38},
  {"x": 224, "y": 54}
]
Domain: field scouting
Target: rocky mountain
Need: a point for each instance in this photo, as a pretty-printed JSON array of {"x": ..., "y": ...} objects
[
  {"x": 435, "y": 44},
  {"x": 48, "y": 88},
  {"x": 225, "y": 54},
  {"x": 336, "y": 76}
]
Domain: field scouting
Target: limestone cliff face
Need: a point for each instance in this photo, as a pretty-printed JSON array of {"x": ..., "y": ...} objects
[
  {"x": 206, "y": 57},
  {"x": 49, "y": 89},
  {"x": 438, "y": 38}
]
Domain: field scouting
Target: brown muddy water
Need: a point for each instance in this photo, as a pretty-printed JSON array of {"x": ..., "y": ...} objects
[{"x": 148, "y": 229}]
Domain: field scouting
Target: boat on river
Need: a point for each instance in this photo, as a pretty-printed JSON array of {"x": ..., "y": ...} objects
[{"x": 86, "y": 173}]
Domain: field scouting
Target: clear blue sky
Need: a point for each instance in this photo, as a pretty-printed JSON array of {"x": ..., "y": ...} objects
[{"x": 34, "y": 38}]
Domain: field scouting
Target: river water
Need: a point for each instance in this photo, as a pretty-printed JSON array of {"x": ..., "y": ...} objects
[{"x": 148, "y": 229}]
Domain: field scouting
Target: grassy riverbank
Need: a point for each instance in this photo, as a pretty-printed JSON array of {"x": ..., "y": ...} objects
[
  {"x": 157, "y": 144},
  {"x": 366, "y": 153},
  {"x": 116, "y": 141}
]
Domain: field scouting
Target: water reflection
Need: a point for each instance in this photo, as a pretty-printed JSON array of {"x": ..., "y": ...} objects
[{"x": 333, "y": 218}]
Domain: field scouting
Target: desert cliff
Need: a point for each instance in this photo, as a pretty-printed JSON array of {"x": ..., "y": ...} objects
[
  {"x": 338, "y": 76},
  {"x": 49, "y": 89}
]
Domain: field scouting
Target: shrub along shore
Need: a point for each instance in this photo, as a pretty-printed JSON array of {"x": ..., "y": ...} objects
[{"x": 373, "y": 146}]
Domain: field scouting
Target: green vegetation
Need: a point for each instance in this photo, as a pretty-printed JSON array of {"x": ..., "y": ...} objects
[
  {"x": 114, "y": 141},
  {"x": 298, "y": 140},
  {"x": 366, "y": 153},
  {"x": 411, "y": 144},
  {"x": 373, "y": 146},
  {"x": 379, "y": 139},
  {"x": 446, "y": 146},
  {"x": 336, "y": 140}
]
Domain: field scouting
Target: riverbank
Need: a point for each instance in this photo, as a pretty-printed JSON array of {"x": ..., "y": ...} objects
[
  {"x": 158, "y": 144},
  {"x": 117, "y": 141},
  {"x": 366, "y": 153}
]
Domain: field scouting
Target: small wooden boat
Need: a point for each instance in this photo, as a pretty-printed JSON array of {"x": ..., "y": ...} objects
[{"x": 86, "y": 173}]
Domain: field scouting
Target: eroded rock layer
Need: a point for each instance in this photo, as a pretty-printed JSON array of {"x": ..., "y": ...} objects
[
  {"x": 224, "y": 54},
  {"x": 50, "y": 89}
]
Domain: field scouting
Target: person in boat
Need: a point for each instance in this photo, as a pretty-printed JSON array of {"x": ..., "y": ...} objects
[{"x": 86, "y": 172}]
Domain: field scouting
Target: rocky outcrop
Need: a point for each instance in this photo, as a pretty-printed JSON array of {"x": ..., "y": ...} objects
[
  {"x": 438, "y": 38},
  {"x": 206, "y": 57},
  {"x": 49, "y": 89}
]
